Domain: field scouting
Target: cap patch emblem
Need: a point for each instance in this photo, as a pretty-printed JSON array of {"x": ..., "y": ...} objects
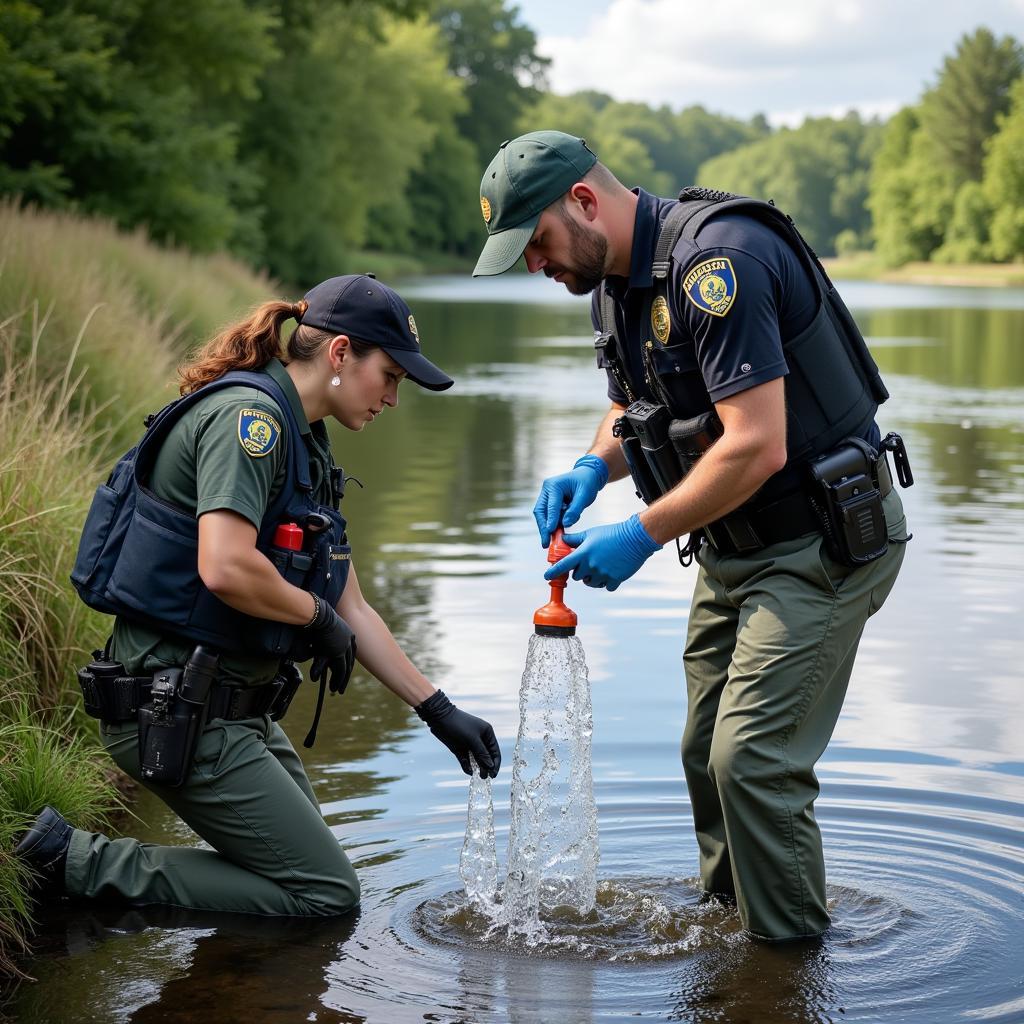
[
  {"x": 711, "y": 286},
  {"x": 661, "y": 322},
  {"x": 485, "y": 209},
  {"x": 258, "y": 432},
  {"x": 412, "y": 327}
]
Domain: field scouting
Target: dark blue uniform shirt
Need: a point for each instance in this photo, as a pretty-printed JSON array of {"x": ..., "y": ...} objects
[{"x": 774, "y": 297}]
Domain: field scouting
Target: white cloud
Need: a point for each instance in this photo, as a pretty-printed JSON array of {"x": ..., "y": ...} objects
[{"x": 784, "y": 58}]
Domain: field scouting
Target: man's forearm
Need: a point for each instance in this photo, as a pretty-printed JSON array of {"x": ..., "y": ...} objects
[
  {"x": 725, "y": 477},
  {"x": 751, "y": 448},
  {"x": 608, "y": 447}
]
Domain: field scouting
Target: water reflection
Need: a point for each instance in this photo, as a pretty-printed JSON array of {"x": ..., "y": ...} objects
[
  {"x": 170, "y": 964},
  {"x": 758, "y": 983}
]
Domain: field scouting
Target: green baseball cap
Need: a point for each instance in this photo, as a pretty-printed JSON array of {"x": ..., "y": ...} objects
[{"x": 527, "y": 175}]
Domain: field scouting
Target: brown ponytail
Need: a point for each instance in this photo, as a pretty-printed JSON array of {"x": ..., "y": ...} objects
[{"x": 246, "y": 345}]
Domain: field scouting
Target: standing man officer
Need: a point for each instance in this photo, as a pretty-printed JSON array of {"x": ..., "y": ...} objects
[{"x": 743, "y": 404}]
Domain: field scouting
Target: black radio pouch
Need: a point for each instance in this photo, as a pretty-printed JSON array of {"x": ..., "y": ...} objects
[
  {"x": 647, "y": 487},
  {"x": 845, "y": 495},
  {"x": 650, "y": 422}
]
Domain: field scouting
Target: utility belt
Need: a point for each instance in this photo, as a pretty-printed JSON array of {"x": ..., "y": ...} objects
[
  {"x": 840, "y": 496},
  {"x": 174, "y": 704},
  {"x": 799, "y": 513}
]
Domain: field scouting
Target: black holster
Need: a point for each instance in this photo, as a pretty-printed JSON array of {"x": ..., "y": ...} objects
[
  {"x": 171, "y": 721},
  {"x": 660, "y": 450}
]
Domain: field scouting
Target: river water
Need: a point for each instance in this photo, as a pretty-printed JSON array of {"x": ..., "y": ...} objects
[{"x": 922, "y": 802}]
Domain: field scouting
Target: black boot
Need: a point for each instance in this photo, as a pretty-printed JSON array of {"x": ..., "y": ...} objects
[{"x": 44, "y": 848}]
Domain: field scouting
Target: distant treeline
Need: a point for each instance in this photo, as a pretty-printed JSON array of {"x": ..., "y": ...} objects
[{"x": 298, "y": 133}]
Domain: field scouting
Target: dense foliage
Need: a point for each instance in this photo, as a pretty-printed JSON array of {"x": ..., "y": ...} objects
[
  {"x": 300, "y": 133},
  {"x": 947, "y": 181}
]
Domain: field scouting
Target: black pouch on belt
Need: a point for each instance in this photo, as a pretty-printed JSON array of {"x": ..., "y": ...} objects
[
  {"x": 693, "y": 437},
  {"x": 289, "y": 679},
  {"x": 171, "y": 721},
  {"x": 106, "y": 687},
  {"x": 647, "y": 487},
  {"x": 845, "y": 494},
  {"x": 650, "y": 422}
]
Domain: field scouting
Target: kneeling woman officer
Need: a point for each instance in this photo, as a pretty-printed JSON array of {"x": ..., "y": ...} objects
[{"x": 235, "y": 493}]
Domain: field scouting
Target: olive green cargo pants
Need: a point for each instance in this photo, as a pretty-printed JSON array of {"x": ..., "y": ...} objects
[
  {"x": 248, "y": 796},
  {"x": 770, "y": 647}
]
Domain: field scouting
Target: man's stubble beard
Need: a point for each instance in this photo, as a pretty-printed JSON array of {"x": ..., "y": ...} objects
[{"x": 590, "y": 250}]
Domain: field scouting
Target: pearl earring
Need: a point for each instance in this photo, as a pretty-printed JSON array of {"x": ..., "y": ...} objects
[{"x": 336, "y": 380}]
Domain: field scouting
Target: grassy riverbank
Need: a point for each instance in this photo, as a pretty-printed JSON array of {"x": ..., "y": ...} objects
[
  {"x": 92, "y": 324},
  {"x": 867, "y": 267}
]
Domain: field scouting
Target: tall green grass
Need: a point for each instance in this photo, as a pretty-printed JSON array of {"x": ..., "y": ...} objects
[
  {"x": 41, "y": 764},
  {"x": 132, "y": 308},
  {"x": 47, "y": 469},
  {"x": 92, "y": 323}
]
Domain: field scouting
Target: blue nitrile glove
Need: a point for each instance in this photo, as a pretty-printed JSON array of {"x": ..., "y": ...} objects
[
  {"x": 606, "y": 556},
  {"x": 579, "y": 488}
]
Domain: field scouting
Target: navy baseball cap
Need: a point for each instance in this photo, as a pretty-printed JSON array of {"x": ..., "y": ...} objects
[{"x": 362, "y": 308}]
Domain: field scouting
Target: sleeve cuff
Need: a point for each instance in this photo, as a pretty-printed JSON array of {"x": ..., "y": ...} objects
[
  {"x": 748, "y": 381},
  {"x": 229, "y": 503}
]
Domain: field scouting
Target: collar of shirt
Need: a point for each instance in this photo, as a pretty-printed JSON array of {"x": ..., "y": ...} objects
[
  {"x": 649, "y": 213},
  {"x": 276, "y": 370}
]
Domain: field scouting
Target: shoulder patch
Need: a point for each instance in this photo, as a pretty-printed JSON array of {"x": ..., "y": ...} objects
[
  {"x": 712, "y": 285},
  {"x": 258, "y": 432}
]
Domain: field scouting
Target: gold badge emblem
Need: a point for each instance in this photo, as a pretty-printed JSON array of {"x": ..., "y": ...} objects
[
  {"x": 485, "y": 209},
  {"x": 661, "y": 322},
  {"x": 412, "y": 327}
]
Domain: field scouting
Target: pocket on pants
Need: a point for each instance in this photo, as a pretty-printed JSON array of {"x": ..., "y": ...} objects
[
  {"x": 893, "y": 559},
  {"x": 225, "y": 746},
  {"x": 833, "y": 574}
]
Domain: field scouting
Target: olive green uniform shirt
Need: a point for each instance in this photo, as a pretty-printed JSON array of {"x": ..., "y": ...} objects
[{"x": 203, "y": 466}]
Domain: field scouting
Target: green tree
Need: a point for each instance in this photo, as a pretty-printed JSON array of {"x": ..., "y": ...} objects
[
  {"x": 127, "y": 109},
  {"x": 492, "y": 57},
  {"x": 701, "y": 135},
  {"x": 1003, "y": 181},
  {"x": 444, "y": 204},
  {"x": 637, "y": 143},
  {"x": 967, "y": 235},
  {"x": 495, "y": 55},
  {"x": 959, "y": 113},
  {"x": 817, "y": 173},
  {"x": 652, "y": 147},
  {"x": 912, "y": 191},
  {"x": 338, "y": 140},
  {"x": 576, "y": 114}
]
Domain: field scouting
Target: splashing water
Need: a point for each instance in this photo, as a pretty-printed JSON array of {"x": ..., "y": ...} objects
[
  {"x": 553, "y": 848},
  {"x": 478, "y": 865}
]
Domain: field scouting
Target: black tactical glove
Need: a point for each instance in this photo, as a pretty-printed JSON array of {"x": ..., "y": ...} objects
[
  {"x": 334, "y": 648},
  {"x": 463, "y": 734}
]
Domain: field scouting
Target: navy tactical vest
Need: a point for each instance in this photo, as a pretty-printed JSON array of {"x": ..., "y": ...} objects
[
  {"x": 138, "y": 555},
  {"x": 833, "y": 388}
]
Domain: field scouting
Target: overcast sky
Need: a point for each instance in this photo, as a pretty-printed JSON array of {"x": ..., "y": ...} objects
[{"x": 785, "y": 58}]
